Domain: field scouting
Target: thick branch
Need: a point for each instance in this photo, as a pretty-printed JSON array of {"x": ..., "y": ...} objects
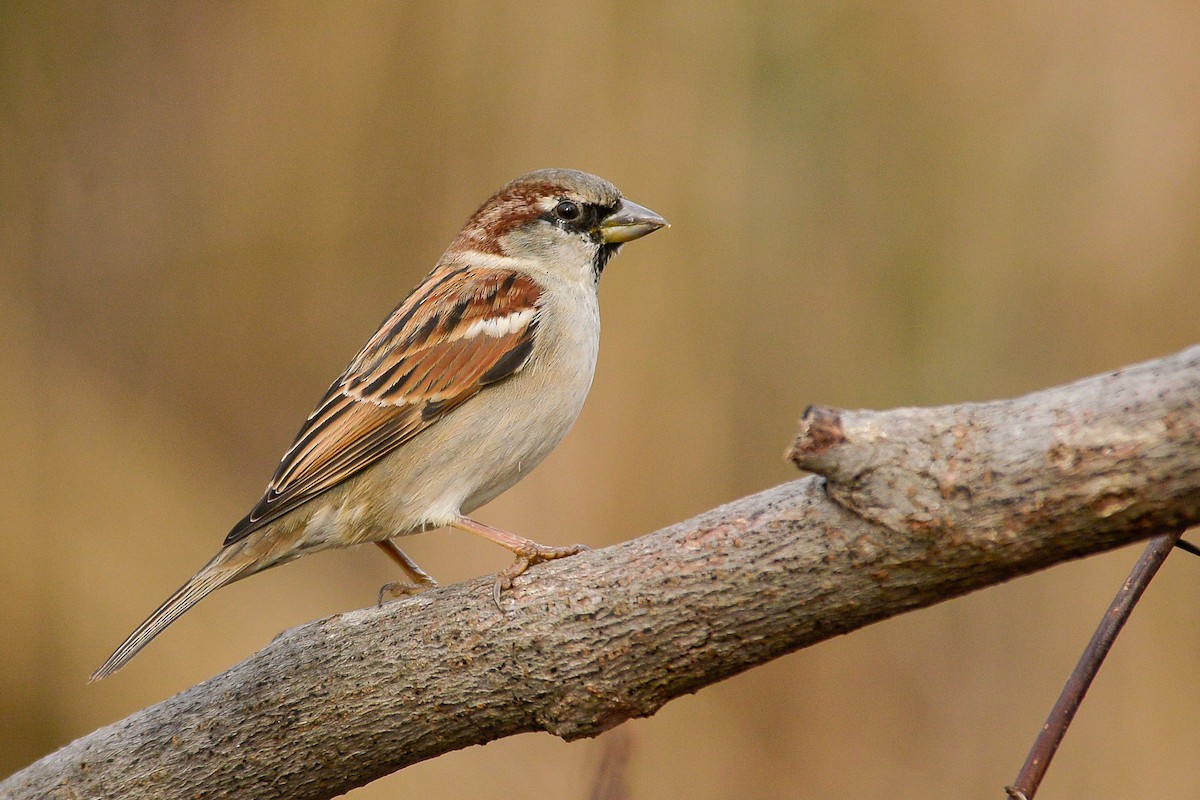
[{"x": 930, "y": 504}]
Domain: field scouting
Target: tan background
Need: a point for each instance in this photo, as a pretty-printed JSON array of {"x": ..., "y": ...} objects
[{"x": 206, "y": 208}]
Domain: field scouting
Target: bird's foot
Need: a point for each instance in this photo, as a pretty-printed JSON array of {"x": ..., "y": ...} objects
[
  {"x": 398, "y": 589},
  {"x": 418, "y": 580},
  {"x": 528, "y": 554}
]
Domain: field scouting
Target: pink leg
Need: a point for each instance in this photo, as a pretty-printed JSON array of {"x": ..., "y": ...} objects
[
  {"x": 528, "y": 552},
  {"x": 418, "y": 579}
]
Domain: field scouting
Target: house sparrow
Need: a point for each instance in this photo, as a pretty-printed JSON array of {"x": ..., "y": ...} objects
[{"x": 464, "y": 389}]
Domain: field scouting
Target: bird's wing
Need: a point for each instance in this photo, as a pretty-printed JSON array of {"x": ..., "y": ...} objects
[{"x": 458, "y": 332}]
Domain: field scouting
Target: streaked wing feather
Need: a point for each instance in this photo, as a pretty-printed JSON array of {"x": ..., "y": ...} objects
[{"x": 456, "y": 334}]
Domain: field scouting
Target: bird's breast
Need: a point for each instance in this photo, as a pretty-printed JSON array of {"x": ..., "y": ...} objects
[{"x": 496, "y": 438}]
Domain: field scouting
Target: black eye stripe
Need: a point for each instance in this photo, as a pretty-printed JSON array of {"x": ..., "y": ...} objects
[{"x": 580, "y": 217}]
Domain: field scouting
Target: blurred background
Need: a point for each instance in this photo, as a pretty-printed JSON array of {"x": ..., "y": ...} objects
[{"x": 207, "y": 208}]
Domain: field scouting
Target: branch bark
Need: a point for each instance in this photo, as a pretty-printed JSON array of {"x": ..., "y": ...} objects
[{"x": 915, "y": 506}]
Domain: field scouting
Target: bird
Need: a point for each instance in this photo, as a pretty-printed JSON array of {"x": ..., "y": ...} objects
[{"x": 466, "y": 386}]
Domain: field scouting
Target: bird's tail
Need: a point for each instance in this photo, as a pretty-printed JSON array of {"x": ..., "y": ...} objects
[{"x": 213, "y": 576}]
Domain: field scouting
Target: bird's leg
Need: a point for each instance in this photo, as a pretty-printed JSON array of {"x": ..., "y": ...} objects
[
  {"x": 418, "y": 579},
  {"x": 528, "y": 552}
]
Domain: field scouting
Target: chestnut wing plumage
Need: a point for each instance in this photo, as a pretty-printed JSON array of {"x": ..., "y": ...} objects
[{"x": 460, "y": 331}]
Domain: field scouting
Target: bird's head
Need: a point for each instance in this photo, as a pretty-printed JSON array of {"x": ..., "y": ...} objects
[{"x": 562, "y": 218}]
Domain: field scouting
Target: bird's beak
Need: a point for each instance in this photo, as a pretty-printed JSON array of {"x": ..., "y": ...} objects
[{"x": 630, "y": 221}]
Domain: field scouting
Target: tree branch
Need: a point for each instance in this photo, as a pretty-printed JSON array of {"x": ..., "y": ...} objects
[{"x": 928, "y": 504}]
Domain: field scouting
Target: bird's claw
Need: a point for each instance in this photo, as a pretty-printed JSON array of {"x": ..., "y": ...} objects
[
  {"x": 398, "y": 589},
  {"x": 526, "y": 558}
]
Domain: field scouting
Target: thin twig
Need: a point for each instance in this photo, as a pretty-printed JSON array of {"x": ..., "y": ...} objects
[
  {"x": 612, "y": 776},
  {"x": 1188, "y": 547},
  {"x": 1051, "y": 735}
]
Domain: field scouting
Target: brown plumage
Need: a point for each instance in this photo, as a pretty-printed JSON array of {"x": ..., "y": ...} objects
[{"x": 416, "y": 368}]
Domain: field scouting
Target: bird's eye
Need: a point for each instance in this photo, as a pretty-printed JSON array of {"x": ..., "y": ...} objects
[{"x": 568, "y": 211}]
